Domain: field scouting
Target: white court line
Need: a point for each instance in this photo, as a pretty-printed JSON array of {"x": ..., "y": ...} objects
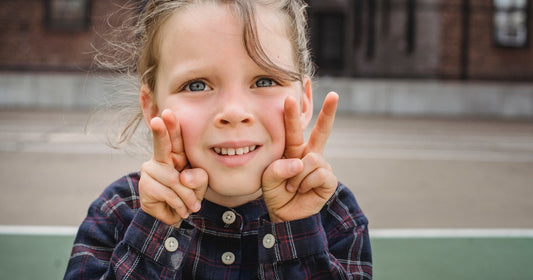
[
  {"x": 452, "y": 233},
  {"x": 38, "y": 230},
  {"x": 420, "y": 154},
  {"x": 374, "y": 233}
]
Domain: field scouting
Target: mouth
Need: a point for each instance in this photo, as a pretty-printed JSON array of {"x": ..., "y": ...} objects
[{"x": 223, "y": 151}]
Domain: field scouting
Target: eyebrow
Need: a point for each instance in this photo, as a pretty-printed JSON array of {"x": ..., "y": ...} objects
[{"x": 186, "y": 71}]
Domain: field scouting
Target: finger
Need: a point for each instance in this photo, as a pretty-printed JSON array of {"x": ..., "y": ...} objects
[
  {"x": 161, "y": 141},
  {"x": 294, "y": 137},
  {"x": 195, "y": 183},
  {"x": 311, "y": 162},
  {"x": 174, "y": 202},
  {"x": 165, "y": 174},
  {"x": 321, "y": 180},
  {"x": 177, "y": 151},
  {"x": 324, "y": 123},
  {"x": 279, "y": 171},
  {"x": 195, "y": 179},
  {"x": 171, "y": 179},
  {"x": 187, "y": 196},
  {"x": 160, "y": 201}
]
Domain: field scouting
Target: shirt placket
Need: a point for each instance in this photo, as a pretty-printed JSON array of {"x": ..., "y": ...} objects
[{"x": 224, "y": 234}]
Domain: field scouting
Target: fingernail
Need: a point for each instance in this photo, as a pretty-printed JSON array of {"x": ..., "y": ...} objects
[
  {"x": 293, "y": 166},
  {"x": 289, "y": 187},
  {"x": 197, "y": 206},
  {"x": 187, "y": 177}
]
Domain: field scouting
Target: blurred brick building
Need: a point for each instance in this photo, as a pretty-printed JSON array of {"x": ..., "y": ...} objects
[
  {"x": 457, "y": 39},
  {"x": 443, "y": 39},
  {"x": 53, "y": 35}
]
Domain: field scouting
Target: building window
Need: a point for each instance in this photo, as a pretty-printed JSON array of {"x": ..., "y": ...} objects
[
  {"x": 328, "y": 40},
  {"x": 511, "y": 19},
  {"x": 67, "y": 15}
]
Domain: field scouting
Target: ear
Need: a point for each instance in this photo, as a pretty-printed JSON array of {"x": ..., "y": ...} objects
[
  {"x": 148, "y": 104},
  {"x": 306, "y": 103}
]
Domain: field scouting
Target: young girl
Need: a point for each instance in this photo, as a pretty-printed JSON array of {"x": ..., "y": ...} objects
[{"x": 232, "y": 191}]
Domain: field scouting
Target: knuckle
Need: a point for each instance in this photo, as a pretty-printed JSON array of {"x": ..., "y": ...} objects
[
  {"x": 174, "y": 179},
  {"x": 313, "y": 158},
  {"x": 188, "y": 178},
  {"x": 322, "y": 174},
  {"x": 191, "y": 199},
  {"x": 277, "y": 167},
  {"x": 145, "y": 166},
  {"x": 144, "y": 186},
  {"x": 179, "y": 205}
]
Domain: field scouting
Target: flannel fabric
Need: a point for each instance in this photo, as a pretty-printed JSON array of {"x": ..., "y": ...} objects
[{"x": 117, "y": 240}]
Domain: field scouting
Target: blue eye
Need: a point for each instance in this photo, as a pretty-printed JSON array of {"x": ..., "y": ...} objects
[
  {"x": 196, "y": 86},
  {"x": 265, "y": 82}
]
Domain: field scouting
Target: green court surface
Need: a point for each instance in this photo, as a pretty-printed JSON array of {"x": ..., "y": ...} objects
[
  {"x": 453, "y": 258},
  {"x": 35, "y": 256}
]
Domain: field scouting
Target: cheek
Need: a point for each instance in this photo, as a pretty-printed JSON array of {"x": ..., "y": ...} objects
[
  {"x": 191, "y": 134},
  {"x": 278, "y": 147},
  {"x": 274, "y": 123},
  {"x": 191, "y": 125},
  {"x": 190, "y": 129}
]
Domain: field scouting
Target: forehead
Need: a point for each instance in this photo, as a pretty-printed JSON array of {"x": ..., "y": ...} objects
[
  {"x": 227, "y": 20},
  {"x": 273, "y": 22}
]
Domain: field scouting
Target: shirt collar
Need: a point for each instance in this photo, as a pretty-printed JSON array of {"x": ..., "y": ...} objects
[{"x": 248, "y": 212}]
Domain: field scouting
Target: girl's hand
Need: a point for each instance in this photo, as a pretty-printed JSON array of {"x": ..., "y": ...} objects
[
  {"x": 167, "y": 190},
  {"x": 299, "y": 185}
]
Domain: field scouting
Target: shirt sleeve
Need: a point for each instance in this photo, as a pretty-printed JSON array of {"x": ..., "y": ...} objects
[
  {"x": 333, "y": 244},
  {"x": 118, "y": 242}
]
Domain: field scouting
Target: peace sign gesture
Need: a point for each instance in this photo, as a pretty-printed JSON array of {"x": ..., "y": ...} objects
[
  {"x": 167, "y": 190},
  {"x": 299, "y": 185}
]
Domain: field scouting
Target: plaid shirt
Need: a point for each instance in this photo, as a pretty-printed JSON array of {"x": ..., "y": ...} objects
[{"x": 117, "y": 240}]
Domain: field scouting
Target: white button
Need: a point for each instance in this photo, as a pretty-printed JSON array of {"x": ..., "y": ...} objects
[
  {"x": 228, "y": 217},
  {"x": 171, "y": 244},
  {"x": 228, "y": 258},
  {"x": 269, "y": 240}
]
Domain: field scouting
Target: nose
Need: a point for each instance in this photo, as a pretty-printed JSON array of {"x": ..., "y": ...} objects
[{"x": 234, "y": 110}]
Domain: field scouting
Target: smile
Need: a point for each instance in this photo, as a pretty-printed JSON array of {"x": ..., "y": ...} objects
[{"x": 234, "y": 151}]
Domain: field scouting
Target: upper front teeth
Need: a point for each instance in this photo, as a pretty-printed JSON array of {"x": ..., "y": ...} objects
[{"x": 234, "y": 151}]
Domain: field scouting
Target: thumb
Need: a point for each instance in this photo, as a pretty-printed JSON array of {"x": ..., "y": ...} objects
[
  {"x": 195, "y": 179},
  {"x": 279, "y": 171}
]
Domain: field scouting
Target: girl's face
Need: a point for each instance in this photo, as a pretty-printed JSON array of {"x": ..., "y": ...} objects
[{"x": 229, "y": 109}]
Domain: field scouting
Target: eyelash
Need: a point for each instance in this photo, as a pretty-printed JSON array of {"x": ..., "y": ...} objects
[
  {"x": 187, "y": 85},
  {"x": 273, "y": 81}
]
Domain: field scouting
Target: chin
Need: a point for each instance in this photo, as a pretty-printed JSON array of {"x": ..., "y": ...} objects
[
  {"x": 232, "y": 193},
  {"x": 229, "y": 188}
]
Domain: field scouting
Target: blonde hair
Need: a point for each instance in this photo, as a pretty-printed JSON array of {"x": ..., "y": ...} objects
[{"x": 139, "y": 54}]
